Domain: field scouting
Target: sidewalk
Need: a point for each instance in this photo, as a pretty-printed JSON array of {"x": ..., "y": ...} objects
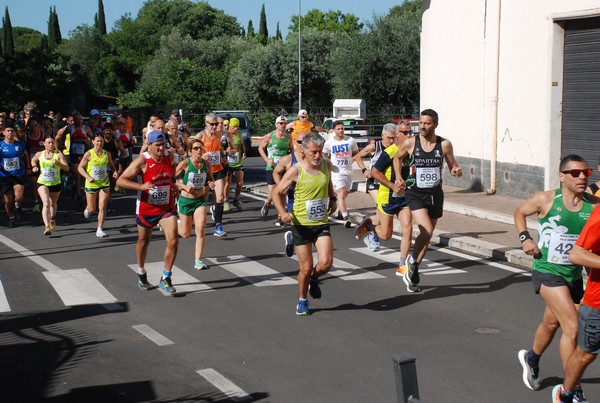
[{"x": 473, "y": 222}]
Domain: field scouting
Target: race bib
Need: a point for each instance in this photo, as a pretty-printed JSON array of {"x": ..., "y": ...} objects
[
  {"x": 99, "y": 173},
  {"x": 276, "y": 159},
  {"x": 316, "y": 210},
  {"x": 214, "y": 157},
  {"x": 159, "y": 195},
  {"x": 12, "y": 164},
  {"x": 78, "y": 148},
  {"x": 559, "y": 248},
  {"x": 233, "y": 158},
  {"x": 49, "y": 174},
  {"x": 196, "y": 179},
  {"x": 342, "y": 160},
  {"x": 428, "y": 177}
]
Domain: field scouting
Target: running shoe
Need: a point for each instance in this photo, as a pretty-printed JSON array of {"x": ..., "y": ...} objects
[
  {"x": 47, "y": 231},
  {"x": 289, "y": 243},
  {"x": 530, "y": 374},
  {"x": 18, "y": 212},
  {"x": 264, "y": 211},
  {"x": 314, "y": 290},
  {"x": 302, "y": 308},
  {"x": 165, "y": 284},
  {"x": 219, "y": 231},
  {"x": 363, "y": 228},
  {"x": 348, "y": 224},
  {"x": 376, "y": 241},
  {"x": 558, "y": 395},
  {"x": 36, "y": 207},
  {"x": 87, "y": 214},
  {"x": 199, "y": 265},
  {"x": 143, "y": 283},
  {"x": 411, "y": 277},
  {"x": 212, "y": 212},
  {"x": 370, "y": 242},
  {"x": 579, "y": 396},
  {"x": 52, "y": 225},
  {"x": 12, "y": 222},
  {"x": 100, "y": 233},
  {"x": 401, "y": 270},
  {"x": 238, "y": 205},
  {"x": 226, "y": 206}
]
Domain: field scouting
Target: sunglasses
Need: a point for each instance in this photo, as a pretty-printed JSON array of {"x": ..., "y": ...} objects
[
  {"x": 576, "y": 172},
  {"x": 406, "y": 132},
  {"x": 390, "y": 137},
  {"x": 197, "y": 148},
  {"x": 213, "y": 124},
  {"x": 281, "y": 123}
]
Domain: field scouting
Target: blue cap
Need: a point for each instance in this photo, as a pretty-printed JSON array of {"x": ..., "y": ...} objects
[{"x": 154, "y": 136}]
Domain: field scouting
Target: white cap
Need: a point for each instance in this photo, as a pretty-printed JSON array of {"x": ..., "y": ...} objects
[
  {"x": 280, "y": 119},
  {"x": 303, "y": 112}
]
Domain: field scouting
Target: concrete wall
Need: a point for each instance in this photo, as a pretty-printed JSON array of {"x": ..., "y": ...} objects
[{"x": 492, "y": 69}]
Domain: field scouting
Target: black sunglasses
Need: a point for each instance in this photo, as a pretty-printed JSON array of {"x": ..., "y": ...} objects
[
  {"x": 213, "y": 124},
  {"x": 406, "y": 132},
  {"x": 576, "y": 172}
]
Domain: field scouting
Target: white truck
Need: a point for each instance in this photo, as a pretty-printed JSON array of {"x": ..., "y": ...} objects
[
  {"x": 351, "y": 112},
  {"x": 349, "y": 108}
]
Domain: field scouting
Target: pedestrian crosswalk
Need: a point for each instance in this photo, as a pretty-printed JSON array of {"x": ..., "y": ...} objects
[{"x": 79, "y": 286}]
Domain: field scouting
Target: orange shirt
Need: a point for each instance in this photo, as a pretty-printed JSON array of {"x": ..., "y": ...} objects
[
  {"x": 590, "y": 240},
  {"x": 212, "y": 145},
  {"x": 300, "y": 127}
]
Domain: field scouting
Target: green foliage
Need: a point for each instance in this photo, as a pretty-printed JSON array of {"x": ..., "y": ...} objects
[
  {"x": 332, "y": 21},
  {"x": 263, "y": 32},
  {"x": 100, "y": 19},
  {"x": 26, "y": 38},
  {"x": 54, "y": 36},
  {"x": 278, "y": 36},
  {"x": 251, "y": 33}
]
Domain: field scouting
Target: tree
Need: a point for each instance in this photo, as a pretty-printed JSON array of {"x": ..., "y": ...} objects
[
  {"x": 332, "y": 21},
  {"x": 263, "y": 32},
  {"x": 54, "y": 36},
  {"x": 100, "y": 19},
  {"x": 251, "y": 33},
  {"x": 8, "y": 44},
  {"x": 278, "y": 33}
]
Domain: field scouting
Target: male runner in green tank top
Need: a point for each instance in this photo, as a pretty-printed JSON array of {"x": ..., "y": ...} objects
[{"x": 561, "y": 213}]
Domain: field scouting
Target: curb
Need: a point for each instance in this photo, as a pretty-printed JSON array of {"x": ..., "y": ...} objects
[{"x": 465, "y": 244}]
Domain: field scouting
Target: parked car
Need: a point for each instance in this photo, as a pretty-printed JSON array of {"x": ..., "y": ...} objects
[
  {"x": 353, "y": 127},
  {"x": 245, "y": 128}
]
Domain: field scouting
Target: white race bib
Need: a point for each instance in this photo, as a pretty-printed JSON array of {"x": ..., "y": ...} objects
[
  {"x": 214, "y": 157},
  {"x": 316, "y": 210},
  {"x": 12, "y": 164},
  {"x": 196, "y": 179},
  {"x": 559, "y": 248},
  {"x": 159, "y": 195},
  {"x": 233, "y": 158},
  {"x": 49, "y": 174},
  {"x": 99, "y": 173},
  {"x": 428, "y": 177},
  {"x": 78, "y": 148}
]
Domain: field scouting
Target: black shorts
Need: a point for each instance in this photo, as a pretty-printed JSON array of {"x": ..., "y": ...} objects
[
  {"x": 53, "y": 188},
  {"x": 220, "y": 175},
  {"x": 231, "y": 170},
  {"x": 303, "y": 234},
  {"x": 269, "y": 178},
  {"x": 74, "y": 158},
  {"x": 432, "y": 200},
  {"x": 8, "y": 182},
  {"x": 372, "y": 184},
  {"x": 551, "y": 280}
]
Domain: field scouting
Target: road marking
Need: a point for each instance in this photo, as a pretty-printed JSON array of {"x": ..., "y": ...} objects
[
  {"x": 230, "y": 389},
  {"x": 430, "y": 268},
  {"x": 40, "y": 261},
  {"x": 4, "y": 305},
  {"x": 347, "y": 271},
  {"x": 78, "y": 287},
  {"x": 153, "y": 335},
  {"x": 251, "y": 271},
  {"x": 183, "y": 282}
]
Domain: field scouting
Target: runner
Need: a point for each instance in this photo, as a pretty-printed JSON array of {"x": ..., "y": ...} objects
[
  {"x": 309, "y": 217},
  {"x": 235, "y": 162},
  {"x": 14, "y": 165},
  {"x": 95, "y": 167},
  {"x": 424, "y": 193},
  {"x": 195, "y": 174},
  {"x": 561, "y": 213},
  {"x": 275, "y": 145},
  {"x": 48, "y": 164},
  {"x": 156, "y": 204}
]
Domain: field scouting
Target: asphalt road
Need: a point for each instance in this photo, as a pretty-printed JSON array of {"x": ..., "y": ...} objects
[{"x": 75, "y": 328}]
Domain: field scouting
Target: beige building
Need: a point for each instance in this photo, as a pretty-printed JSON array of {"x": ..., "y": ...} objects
[{"x": 516, "y": 84}]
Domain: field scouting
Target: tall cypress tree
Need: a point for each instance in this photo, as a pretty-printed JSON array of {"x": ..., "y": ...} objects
[
  {"x": 251, "y": 33},
  {"x": 278, "y": 35},
  {"x": 8, "y": 45},
  {"x": 263, "y": 32},
  {"x": 100, "y": 19},
  {"x": 56, "y": 28},
  {"x": 51, "y": 41}
]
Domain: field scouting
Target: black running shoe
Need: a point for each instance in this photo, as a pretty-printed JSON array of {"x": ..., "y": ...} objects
[
  {"x": 314, "y": 290},
  {"x": 143, "y": 283}
]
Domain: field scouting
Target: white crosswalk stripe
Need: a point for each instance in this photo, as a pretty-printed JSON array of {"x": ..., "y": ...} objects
[
  {"x": 183, "y": 282},
  {"x": 4, "y": 305},
  {"x": 347, "y": 271},
  {"x": 427, "y": 268},
  {"x": 251, "y": 271},
  {"x": 78, "y": 287}
]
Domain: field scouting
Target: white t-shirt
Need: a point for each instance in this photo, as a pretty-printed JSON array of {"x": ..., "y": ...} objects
[{"x": 340, "y": 152}]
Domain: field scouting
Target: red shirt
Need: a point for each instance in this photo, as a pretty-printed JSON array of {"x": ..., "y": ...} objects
[
  {"x": 590, "y": 239},
  {"x": 161, "y": 197}
]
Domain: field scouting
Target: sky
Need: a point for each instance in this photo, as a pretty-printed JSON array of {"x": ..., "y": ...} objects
[{"x": 71, "y": 13}]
